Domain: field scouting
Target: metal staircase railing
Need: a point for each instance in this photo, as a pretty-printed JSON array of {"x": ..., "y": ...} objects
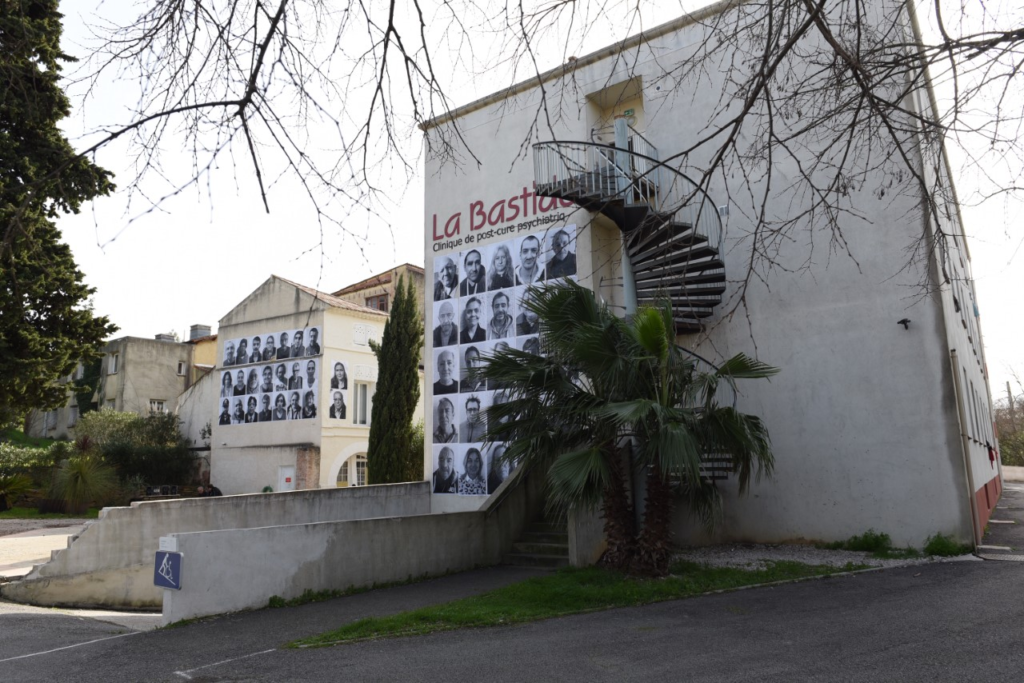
[{"x": 672, "y": 230}]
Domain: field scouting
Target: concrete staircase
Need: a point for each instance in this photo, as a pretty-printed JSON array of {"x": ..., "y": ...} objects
[{"x": 542, "y": 545}]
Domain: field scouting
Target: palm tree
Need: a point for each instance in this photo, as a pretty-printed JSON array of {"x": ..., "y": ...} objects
[{"x": 609, "y": 394}]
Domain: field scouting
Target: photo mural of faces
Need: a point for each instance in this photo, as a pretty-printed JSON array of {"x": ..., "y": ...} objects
[
  {"x": 338, "y": 391},
  {"x": 270, "y": 392},
  {"x": 478, "y": 310},
  {"x": 262, "y": 348},
  {"x": 271, "y": 377}
]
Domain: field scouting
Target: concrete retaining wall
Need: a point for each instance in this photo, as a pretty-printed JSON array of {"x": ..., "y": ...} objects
[
  {"x": 231, "y": 570},
  {"x": 111, "y": 562}
]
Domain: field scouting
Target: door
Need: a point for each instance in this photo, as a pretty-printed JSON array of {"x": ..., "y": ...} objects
[{"x": 286, "y": 478}]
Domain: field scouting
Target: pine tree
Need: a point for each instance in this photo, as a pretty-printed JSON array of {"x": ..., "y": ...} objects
[
  {"x": 398, "y": 392},
  {"x": 46, "y": 324}
]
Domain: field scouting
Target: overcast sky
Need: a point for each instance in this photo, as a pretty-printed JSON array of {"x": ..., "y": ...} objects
[{"x": 207, "y": 248}]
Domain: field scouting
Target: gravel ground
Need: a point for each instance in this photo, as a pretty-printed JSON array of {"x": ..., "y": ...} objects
[
  {"x": 16, "y": 526},
  {"x": 750, "y": 556}
]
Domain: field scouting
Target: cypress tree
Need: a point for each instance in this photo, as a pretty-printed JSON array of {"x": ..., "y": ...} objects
[
  {"x": 46, "y": 323},
  {"x": 398, "y": 392}
]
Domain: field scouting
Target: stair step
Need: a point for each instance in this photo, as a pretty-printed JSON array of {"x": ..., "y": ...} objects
[
  {"x": 546, "y": 528},
  {"x": 673, "y": 255},
  {"x": 703, "y": 269},
  {"x": 531, "y": 548},
  {"x": 544, "y": 537},
  {"x": 682, "y": 289},
  {"x": 664, "y": 244},
  {"x": 542, "y": 561}
]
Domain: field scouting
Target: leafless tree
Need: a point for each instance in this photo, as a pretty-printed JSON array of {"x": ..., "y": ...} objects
[{"x": 261, "y": 81}]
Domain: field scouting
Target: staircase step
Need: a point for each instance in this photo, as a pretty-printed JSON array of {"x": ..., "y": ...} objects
[
  {"x": 673, "y": 255},
  {"x": 530, "y": 548},
  {"x": 703, "y": 269},
  {"x": 545, "y": 537},
  {"x": 669, "y": 240},
  {"x": 542, "y": 561},
  {"x": 546, "y": 528}
]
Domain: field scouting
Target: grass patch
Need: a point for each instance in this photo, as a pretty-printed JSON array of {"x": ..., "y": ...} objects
[
  {"x": 33, "y": 513},
  {"x": 878, "y": 544},
  {"x": 945, "y": 546},
  {"x": 568, "y": 591}
]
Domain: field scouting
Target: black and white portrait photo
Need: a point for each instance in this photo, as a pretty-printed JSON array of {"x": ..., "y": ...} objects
[
  {"x": 337, "y": 411},
  {"x": 446, "y": 329},
  {"x": 474, "y": 422},
  {"x": 445, "y": 478},
  {"x": 499, "y": 321},
  {"x": 473, "y": 480},
  {"x": 502, "y": 272},
  {"x": 446, "y": 368},
  {"x": 472, "y": 363},
  {"x": 473, "y": 321},
  {"x": 530, "y": 268},
  {"x": 339, "y": 376},
  {"x": 474, "y": 280},
  {"x": 560, "y": 253},
  {"x": 445, "y": 429},
  {"x": 446, "y": 278},
  {"x": 313, "y": 343}
]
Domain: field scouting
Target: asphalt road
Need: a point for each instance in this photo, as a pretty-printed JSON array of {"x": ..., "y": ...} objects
[{"x": 943, "y": 622}]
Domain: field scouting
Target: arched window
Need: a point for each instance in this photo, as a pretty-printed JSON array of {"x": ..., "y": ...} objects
[{"x": 343, "y": 474}]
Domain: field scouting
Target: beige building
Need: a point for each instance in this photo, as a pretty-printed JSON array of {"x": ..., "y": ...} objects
[
  {"x": 378, "y": 291},
  {"x": 298, "y": 418},
  {"x": 135, "y": 375}
]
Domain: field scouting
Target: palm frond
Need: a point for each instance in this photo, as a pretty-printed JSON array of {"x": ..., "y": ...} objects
[{"x": 742, "y": 366}]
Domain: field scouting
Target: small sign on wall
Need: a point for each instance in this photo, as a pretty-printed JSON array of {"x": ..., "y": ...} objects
[{"x": 167, "y": 570}]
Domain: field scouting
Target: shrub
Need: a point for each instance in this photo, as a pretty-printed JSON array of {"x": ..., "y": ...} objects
[
  {"x": 946, "y": 546},
  {"x": 103, "y": 426},
  {"x": 83, "y": 480},
  {"x": 149, "y": 448},
  {"x": 11, "y": 488},
  {"x": 21, "y": 460}
]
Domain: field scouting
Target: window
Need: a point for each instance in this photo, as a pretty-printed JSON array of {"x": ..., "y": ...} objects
[
  {"x": 79, "y": 372},
  {"x": 112, "y": 404},
  {"x": 181, "y": 367},
  {"x": 361, "y": 470},
  {"x": 113, "y": 363},
  {"x": 50, "y": 422},
  {"x": 343, "y": 475},
  {"x": 378, "y": 303},
  {"x": 156, "y": 406},
  {"x": 361, "y": 404},
  {"x": 72, "y": 416}
]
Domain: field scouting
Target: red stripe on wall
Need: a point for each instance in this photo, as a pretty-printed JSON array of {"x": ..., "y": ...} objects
[{"x": 987, "y": 497}]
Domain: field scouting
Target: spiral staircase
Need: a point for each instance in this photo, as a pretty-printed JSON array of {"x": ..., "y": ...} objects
[
  {"x": 672, "y": 232},
  {"x": 671, "y": 229}
]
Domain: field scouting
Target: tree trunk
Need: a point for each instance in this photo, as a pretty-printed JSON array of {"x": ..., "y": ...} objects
[
  {"x": 653, "y": 546},
  {"x": 619, "y": 525}
]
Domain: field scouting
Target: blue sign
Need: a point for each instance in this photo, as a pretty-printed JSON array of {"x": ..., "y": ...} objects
[{"x": 167, "y": 572}]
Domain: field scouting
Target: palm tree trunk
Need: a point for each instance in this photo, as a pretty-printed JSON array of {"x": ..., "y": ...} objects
[
  {"x": 653, "y": 546},
  {"x": 619, "y": 524}
]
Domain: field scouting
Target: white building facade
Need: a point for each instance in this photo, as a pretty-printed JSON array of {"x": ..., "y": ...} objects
[
  {"x": 311, "y": 422},
  {"x": 875, "y": 423}
]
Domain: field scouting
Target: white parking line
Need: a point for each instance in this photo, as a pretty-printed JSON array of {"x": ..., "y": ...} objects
[
  {"x": 185, "y": 674},
  {"x": 68, "y": 647}
]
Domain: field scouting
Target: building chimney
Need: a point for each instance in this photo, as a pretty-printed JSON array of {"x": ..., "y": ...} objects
[
  {"x": 166, "y": 336},
  {"x": 197, "y": 331}
]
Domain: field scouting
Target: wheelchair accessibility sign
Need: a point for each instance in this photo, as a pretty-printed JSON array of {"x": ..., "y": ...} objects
[{"x": 167, "y": 572}]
